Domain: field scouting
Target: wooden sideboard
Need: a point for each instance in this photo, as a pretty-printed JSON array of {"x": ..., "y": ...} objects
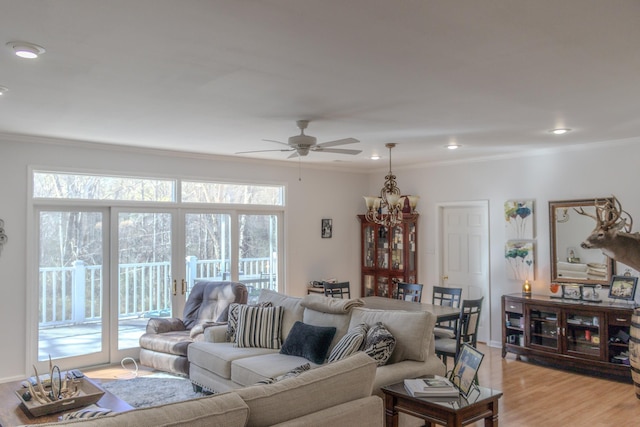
[{"x": 577, "y": 335}]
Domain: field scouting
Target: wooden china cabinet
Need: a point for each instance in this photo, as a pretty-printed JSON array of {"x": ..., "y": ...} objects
[{"x": 389, "y": 256}]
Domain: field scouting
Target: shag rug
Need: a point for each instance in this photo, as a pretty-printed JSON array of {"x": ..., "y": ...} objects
[{"x": 152, "y": 390}]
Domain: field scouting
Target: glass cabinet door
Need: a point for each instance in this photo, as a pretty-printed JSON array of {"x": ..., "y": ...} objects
[
  {"x": 411, "y": 255},
  {"x": 369, "y": 255},
  {"x": 382, "y": 286},
  {"x": 397, "y": 248},
  {"x": 582, "y": 334},
  {"x": 369, "y": 281},
  {"x": 543, "y": 328},
  {"x": 382, "y": 248}
]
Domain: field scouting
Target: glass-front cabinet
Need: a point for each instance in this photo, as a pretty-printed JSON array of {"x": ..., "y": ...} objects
[
  {"x": 580, "y": 335},
  {"x": 543, "y": 328},
  {"x": 389, "y": 256}
]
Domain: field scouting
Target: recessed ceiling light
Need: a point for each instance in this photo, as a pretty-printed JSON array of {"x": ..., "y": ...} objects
[
  {"x": 560, "y": 131},
  {"x": 3, "y": 90},
  {"x": 26, "y": 50},
  {"x": 375, "y": 157},
  {"x": 453, "y": 146}
]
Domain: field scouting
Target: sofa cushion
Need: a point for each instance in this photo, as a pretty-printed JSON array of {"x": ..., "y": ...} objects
[
  {"x": 324, "y": 387},
  {"x": 251, "y": 370},
  {"x": 292, "y": 308},
  {"x": 413, "y": 330},
  {"x": 259, "y": 327},
  {"x": 175, "y": 342},
  {"x": 232, "y": 321},
  {"x": 217, "y": 357},
  {"x": 379, "y": 343},
  {"x": 292, "y": 373},
  {"x": 352, "y": 342},
  {"x": 220, "y": 410},
  {"x": 210, "y": 301},
  {"x": 309, "y": 341}
]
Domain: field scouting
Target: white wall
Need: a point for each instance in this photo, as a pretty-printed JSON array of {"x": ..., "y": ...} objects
[
  {"x": 320, "y": 194},
  {"x": 592, "y": 171}
]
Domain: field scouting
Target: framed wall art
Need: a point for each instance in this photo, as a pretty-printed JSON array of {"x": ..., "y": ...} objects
[
  {"x": 623, "y": 287},
  {"x": 327, "y": 228}
]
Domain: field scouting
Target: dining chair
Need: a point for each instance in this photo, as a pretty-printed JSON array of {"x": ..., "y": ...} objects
[
  {"x": 409, "y": 292},
  {"x": 466, "y": 331},
  {"x": 336, "y": 290},
  {"x": 449, "y": 297}
]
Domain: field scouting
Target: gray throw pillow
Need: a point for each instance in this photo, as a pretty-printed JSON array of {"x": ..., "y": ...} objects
[{"x": 309, "y": 341}]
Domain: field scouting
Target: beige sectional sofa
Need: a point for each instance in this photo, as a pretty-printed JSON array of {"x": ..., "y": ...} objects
[
  {"x": 336, "y": 394},
  {"x": 219, "y": 365}
]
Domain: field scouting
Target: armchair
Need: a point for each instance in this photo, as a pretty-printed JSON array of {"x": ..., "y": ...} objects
[{"x": 164, "y": 345}]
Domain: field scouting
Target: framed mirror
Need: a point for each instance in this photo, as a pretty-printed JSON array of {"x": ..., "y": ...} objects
[{"x": 570, "y": 263}]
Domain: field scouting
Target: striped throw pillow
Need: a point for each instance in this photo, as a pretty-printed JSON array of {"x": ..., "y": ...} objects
[
  {"x": 259, "y": 327},
  {"x": 232, "y": 320},
  {"x": 352, "y": 342}
]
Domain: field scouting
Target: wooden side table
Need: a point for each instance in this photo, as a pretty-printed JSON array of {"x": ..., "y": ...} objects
[{"x": 448, "y": 412}]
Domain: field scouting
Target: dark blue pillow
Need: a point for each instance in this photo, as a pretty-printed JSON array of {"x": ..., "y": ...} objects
[{"x": 308, "y": 341}]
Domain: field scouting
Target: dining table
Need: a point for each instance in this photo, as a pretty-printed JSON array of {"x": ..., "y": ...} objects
[{"x": 443, "y": 313}]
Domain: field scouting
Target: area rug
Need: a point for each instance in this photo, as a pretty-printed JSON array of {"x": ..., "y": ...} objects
[{"x": 152, "y": 390}]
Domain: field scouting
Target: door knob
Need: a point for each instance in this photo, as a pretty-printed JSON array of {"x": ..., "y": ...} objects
[{"x": 445, "y": 277}]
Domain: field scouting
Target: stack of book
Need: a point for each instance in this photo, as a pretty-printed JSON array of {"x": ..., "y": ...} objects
[{"x": 434, "y": 386}]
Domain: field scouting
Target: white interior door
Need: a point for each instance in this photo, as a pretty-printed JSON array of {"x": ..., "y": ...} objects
[{"x": 464, "y": 254}]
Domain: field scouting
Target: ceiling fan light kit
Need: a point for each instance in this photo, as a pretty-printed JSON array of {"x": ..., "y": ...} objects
[{"x": 387, "y": 209}]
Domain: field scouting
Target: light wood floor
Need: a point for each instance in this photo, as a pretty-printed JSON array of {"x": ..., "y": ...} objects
[
  {"x": 533, "y": 396},
  {"x": 542, "y": 396}
]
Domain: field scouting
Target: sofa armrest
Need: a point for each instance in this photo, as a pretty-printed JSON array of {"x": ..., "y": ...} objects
[
  {"x": 159, "y": 325},
  {"x": 216, "y": 333}
]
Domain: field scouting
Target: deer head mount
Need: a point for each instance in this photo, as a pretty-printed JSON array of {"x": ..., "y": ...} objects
[{"x": 612, "y": 233}]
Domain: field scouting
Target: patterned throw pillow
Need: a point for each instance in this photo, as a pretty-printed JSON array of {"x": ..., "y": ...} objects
[
  {"x": 291, "y": 374},
  {"x": 259, "y": 327},
  {"x": 89, "y": 412},
  {"x": 232, "y": 321},
  {"x": 379, "y": 343},
  {"x": 352, "y": 342}
]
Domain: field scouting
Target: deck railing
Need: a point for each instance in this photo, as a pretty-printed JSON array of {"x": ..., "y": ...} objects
[{"x": 73, "y": 295}]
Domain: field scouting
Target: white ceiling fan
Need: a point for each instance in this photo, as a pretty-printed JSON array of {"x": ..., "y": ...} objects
[{"x": 302, "y": 144}]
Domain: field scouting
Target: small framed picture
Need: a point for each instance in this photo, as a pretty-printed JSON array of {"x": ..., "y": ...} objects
[
  {"x": 623, "y": 287},
  {"x": 327, "y": 226},
  {"x": 464, "y": 372},
  {"x": 571, "y": 291}
]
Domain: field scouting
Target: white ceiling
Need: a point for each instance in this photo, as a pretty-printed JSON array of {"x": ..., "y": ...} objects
[{"x": 219, "y": 76}]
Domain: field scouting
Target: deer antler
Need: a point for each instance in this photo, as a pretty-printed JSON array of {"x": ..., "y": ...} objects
[{"x": 609, "y": 214}]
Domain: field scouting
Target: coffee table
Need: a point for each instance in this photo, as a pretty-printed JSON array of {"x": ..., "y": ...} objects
[
  {"x": 448, "y": 412},
  {"x": 12, "y": 412}
]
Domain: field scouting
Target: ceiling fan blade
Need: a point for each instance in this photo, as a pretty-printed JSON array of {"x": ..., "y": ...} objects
[
  {"x": 344, "y": 141},
  {"x": 294, "y": 154},
  {"x": 277, "y": 142},
  {"x": 336, "y": 150},
  {"x": 261, "y": 151}
]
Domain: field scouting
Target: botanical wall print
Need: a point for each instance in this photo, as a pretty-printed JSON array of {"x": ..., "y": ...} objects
[
  {"x": 518, "y": 215},
  {"x": 520, "y": 260}
]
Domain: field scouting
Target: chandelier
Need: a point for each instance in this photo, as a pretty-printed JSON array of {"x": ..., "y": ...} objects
[{"x": 387, "y": 209}]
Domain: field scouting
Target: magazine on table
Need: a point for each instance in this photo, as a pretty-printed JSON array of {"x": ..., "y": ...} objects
[{"x": 433, "y": 386}]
